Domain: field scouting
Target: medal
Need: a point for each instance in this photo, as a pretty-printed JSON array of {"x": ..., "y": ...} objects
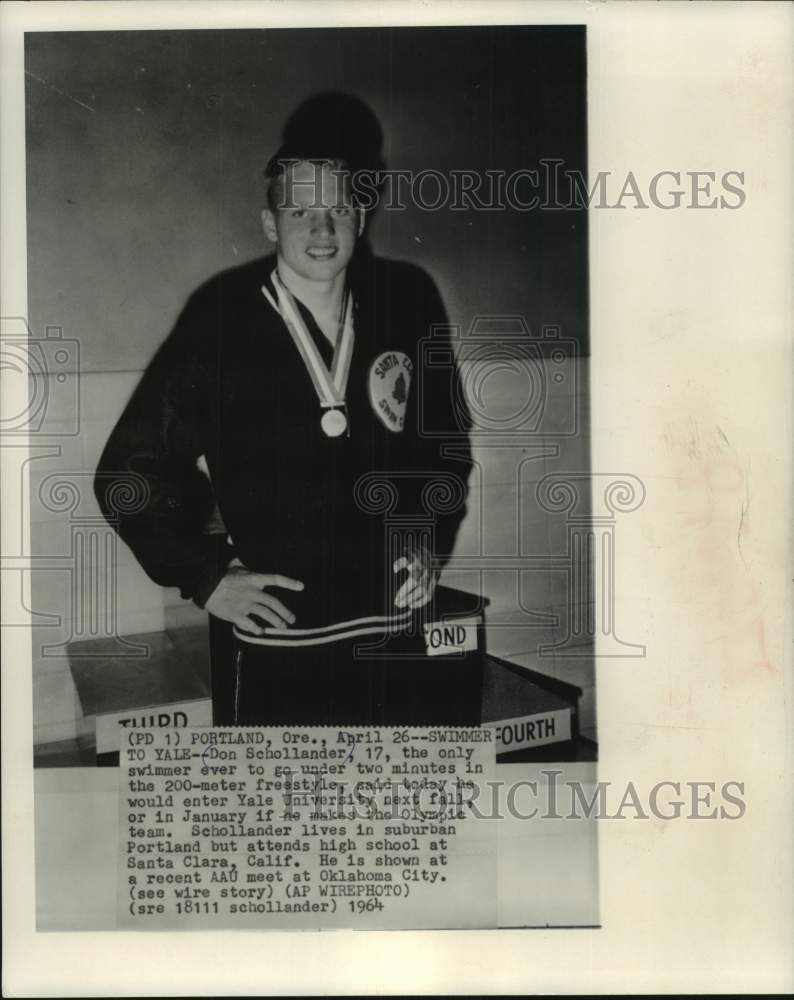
[
  {"x": 334, "y": 423},
  {"x": 330, "y": 386}
]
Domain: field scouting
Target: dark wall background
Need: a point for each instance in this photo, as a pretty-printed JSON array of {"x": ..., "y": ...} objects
[{"x": 145, "y": 153}]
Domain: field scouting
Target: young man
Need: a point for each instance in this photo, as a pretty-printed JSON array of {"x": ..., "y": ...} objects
[{"x": 291, "y": 489}]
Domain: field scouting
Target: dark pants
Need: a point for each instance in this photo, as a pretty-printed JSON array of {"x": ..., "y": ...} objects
[{"x": 361, "y": 681}]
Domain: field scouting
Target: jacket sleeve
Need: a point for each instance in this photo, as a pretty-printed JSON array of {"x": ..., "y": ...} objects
[
  {"x": 440, "y": 423},
  {"x": 151, "y": 459}
]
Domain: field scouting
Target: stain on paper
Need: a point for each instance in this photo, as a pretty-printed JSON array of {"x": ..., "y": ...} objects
[{"x": 715, "y": 487}]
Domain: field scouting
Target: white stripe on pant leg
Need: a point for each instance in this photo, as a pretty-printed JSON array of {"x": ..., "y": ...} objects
[{"x": 237, "y": 657}]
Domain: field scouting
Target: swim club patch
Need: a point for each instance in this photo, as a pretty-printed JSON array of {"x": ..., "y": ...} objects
[{"x": 389, "y": 382}]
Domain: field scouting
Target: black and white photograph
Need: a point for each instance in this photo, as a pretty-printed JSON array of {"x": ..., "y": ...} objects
[
  {"x": 396, "y": 528},
  {"x": 321, "y": 444}
]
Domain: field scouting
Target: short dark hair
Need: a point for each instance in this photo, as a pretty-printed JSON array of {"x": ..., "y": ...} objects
[
  {"x": 336, "y": 128},
  {"x": 280, "y": 162}
]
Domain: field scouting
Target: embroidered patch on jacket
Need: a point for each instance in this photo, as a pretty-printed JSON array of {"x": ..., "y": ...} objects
[{"x": 389, "y": 384}]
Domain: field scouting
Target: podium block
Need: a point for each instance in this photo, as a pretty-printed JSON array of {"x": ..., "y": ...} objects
[
  {"x": 533, "y": 716},
  {"x": 116, "y": 691}
]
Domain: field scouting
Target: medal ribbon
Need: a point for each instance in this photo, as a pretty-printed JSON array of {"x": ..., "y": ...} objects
[{"x": 329, "y": 386}]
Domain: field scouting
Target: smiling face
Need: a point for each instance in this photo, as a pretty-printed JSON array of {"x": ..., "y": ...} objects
[{"x": 314, "y": 223}]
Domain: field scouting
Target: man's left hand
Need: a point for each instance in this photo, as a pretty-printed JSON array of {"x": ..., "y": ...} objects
[{"x": 418, "y": 588}]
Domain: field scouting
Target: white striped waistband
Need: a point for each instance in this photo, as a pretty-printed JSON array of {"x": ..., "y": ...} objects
[{"x": 373, "y": 625}]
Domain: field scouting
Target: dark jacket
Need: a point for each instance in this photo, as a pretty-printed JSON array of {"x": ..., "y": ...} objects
[{"x": 228, "y": 384}]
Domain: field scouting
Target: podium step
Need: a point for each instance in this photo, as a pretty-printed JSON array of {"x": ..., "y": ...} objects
[{"x": 529, "y": 713}]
